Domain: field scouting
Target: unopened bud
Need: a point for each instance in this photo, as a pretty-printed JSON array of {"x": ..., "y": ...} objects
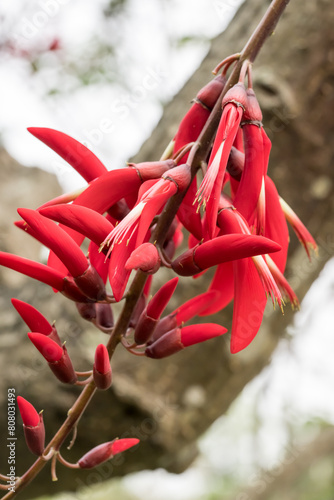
[
  {"x": 102, "y": 369},
  {"x": 33, "y": 426},
  {"x": 105, "y": 451}
]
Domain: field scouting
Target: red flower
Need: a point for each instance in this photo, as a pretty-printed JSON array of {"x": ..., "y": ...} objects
[
  {"x": 35, "y": 320},
  {"x": 82, "y": 219},
  {"x": 33, "y": 426},
  {"x": 179, "y": 338},
  {"x": 102, "y": 369},
  {"x": 224, "y": 248},
  {"x": 72, "y": 151},
  {"x": 211, "y": 186},
  {"x": 151, "y": 314},
  {"x": 105, "y": 451},
  {"x": 56, "y": 356}
]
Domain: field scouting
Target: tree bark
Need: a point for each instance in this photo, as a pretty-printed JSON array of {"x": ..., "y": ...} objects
[{"x": 169, "y": 403}]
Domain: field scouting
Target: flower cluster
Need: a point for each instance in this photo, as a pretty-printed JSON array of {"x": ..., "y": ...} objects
[{"x": 242, "y": 232}]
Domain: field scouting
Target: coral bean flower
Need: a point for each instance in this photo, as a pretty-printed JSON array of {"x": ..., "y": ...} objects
[{"x": 209, "y": 191}]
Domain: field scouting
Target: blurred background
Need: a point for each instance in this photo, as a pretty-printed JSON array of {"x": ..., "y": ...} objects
[{"x": 103, "y": 72}]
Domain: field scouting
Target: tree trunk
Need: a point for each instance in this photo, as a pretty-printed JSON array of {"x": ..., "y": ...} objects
[{"x": 169, "y": 403}]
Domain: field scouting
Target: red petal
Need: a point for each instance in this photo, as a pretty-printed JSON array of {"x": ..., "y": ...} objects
[
  {"x": 33, "y": 269},
  {"x": 52, "y": 236},
  {"x": 195, "y": 334},
  {"x": 232, "y": 247},
  {"x": 194, "y": 306},
  {"x": 276, "y": 227},
  {"x": 223, "y": 284},
  {"x": 121, "y": 445},
  {"x": 248, "y": 192},
  {"x": 51, "y": 351},
  {"x": 145, "y": 257},
  {"x": 249, "y": 304},
  {"x": 32, "y": 317},
  {"x": 72, "y": 151},
  {"x": 160, "y": 300},
  {"x": 159, "y": 195},
  {"x": 82, "y": 219},
  {"x": 102, "y": 362},
  {"x": 118, "y": 275},
  {"x": 28, "y": 413},
  {"x": 98, "y": 261}
]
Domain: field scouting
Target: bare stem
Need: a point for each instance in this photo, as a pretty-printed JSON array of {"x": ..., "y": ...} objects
[{"x": 198, "y": 154}]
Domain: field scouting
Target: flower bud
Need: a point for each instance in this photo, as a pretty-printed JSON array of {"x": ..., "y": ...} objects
[
  {"x": 209, "y": 94},
  {"x": 102, "y": 369},
  {"x": 35, "y": 320},
  {"x": 105, "y": 451},
  {"x": 86, "y": 310},
  {"x": 33, "y": 426},
  {"x": 56, "y": 356},
  {"x": 104, "y": 316},
  {"x": 179, "y": 338}
]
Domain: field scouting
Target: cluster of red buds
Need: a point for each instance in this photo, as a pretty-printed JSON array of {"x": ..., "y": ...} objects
[{"x": 242, "y": 232}]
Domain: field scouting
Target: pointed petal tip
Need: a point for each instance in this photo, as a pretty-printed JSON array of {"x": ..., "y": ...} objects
[
  {"x": 29, "y": 415},
  {"x": 49, "y": 349},
  {"x": 121, "y": 445}
]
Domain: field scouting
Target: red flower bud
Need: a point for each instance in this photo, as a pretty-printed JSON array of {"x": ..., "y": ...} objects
[
  {"x": 145, "y": 257},
  {"x": 33, "y": 426},
  {"x": 35, "y": 320},
  {"x": 104, "y": 316},
  {"x": 179, "y": 338},
  {"x": 105, "y": 451},
  {"x": 101, "y": 369},
  {"x": 150, "y": 316},
  {"x": 56, "y": 356},
  {"x": 160, "y": 300}
]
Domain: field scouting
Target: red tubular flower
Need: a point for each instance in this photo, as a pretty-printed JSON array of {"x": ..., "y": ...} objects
[
  {"x": 179, "y": 338},
  {"x": 72, "y": 151},
  {"x": 210, "y": 189},
  {"x": 33, "y": 269},
  {"x": 189, "y": 130},
  {"x": 33, "y": 426},
  {"x": 151, "y": 314},
  {"x": 105, "y": 451},
  {"x": 52, "y": 236},
  {"x": 256, "y": 159},
  {"x": 35, "y": 320},
  {"x": 184, "y": 313},
  {"x": 145, "y": 257},
  {"x": 56, "y": 356},
  {"x": 84, "y": 220},
  {"x": 44, "y": 274},
  {"x": 102, "y": 369},
  {"x": 224, "y": 248}
]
